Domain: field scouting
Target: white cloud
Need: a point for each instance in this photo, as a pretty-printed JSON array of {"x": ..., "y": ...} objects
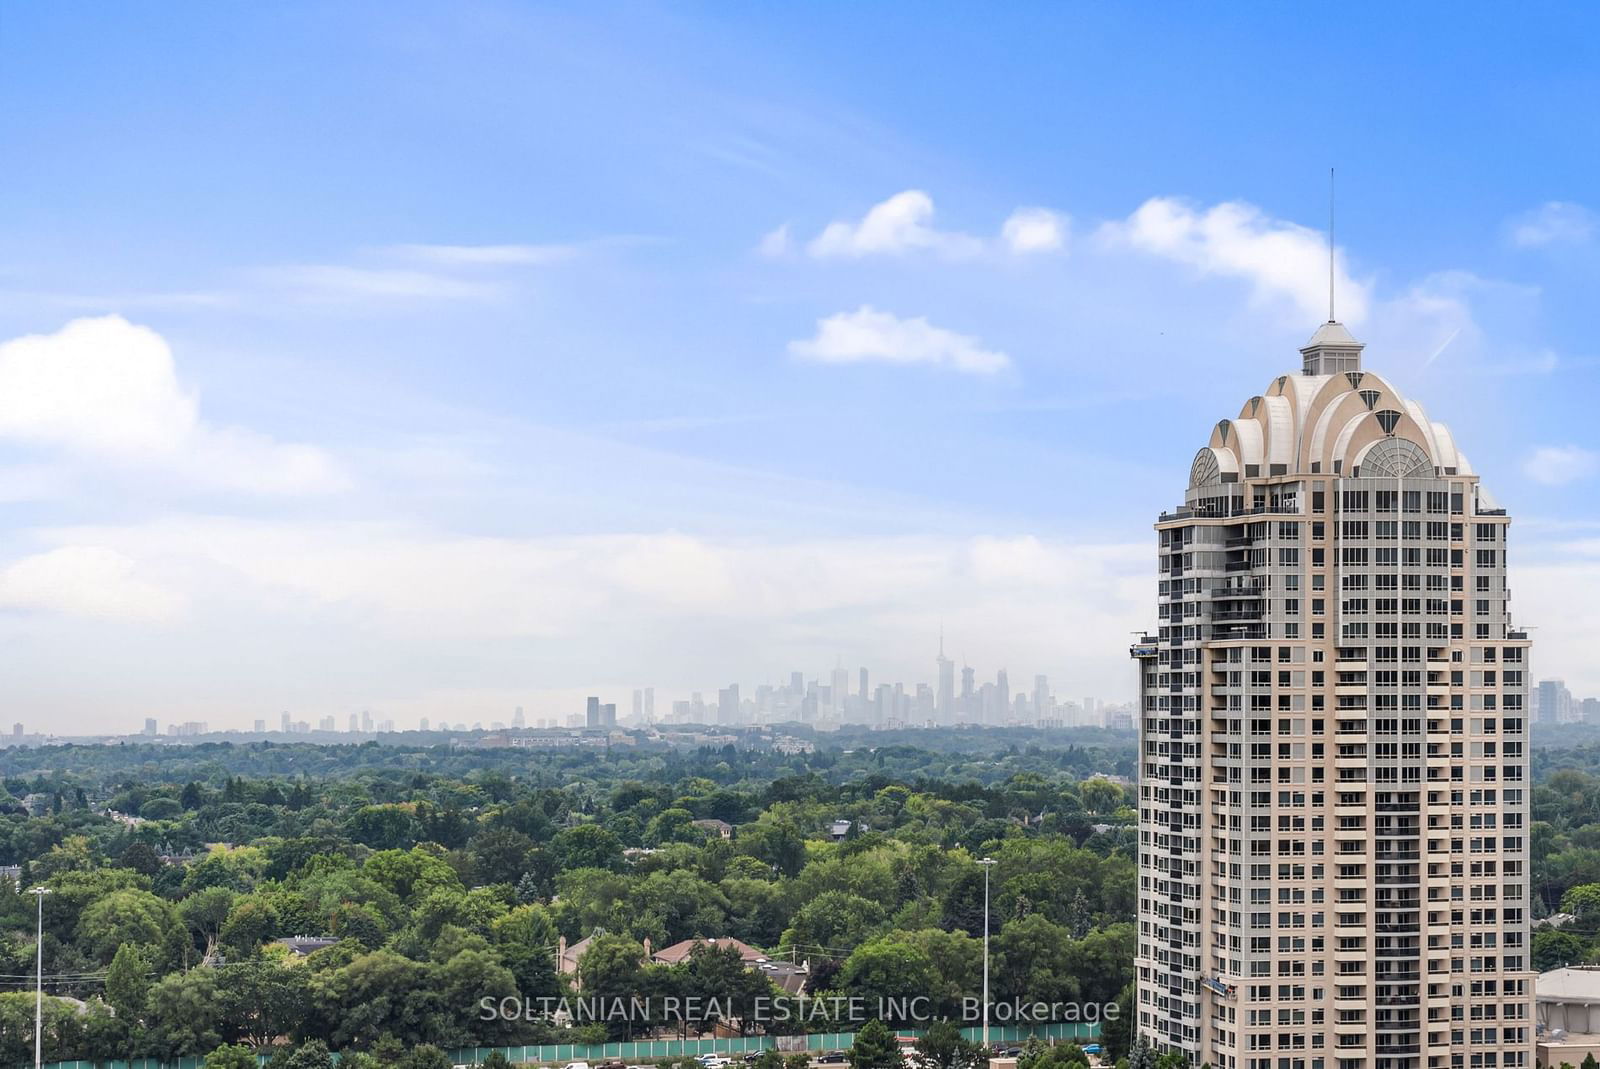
[
  {"x": 1554, "y": 223},
  {"x": 868, "y": 335},
  {"x": 1034, "y": 230},
  {"x": 775, "y": 243},
  {"x": 1281, "y": 260},
  {"x": 1555, "y": 465},
  {"x": 90, "y": 581},
  {"x": 901, "y": 224},
  {"x": 486, "y": 255},
  {"x": 97, "y": 384},
  {"x": 107, "y": 389},
  {"x": 342, "y": 282}
]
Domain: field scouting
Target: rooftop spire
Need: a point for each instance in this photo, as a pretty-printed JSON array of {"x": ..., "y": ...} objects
[{"x": 1331, "y": 318}]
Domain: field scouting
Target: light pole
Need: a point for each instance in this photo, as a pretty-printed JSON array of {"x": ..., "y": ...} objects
[
  {"x": 987, "y": 864},
  {"x": 38, "y": 998}
]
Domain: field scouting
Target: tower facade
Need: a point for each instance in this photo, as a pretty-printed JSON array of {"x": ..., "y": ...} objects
[{"x": 1333, "y": 781}]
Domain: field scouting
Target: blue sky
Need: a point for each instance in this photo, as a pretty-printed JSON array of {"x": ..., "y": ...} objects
[{"x": 489, "y": 355}]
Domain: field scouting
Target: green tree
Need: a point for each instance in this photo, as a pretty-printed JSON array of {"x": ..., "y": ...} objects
[
  {"x": 128, "y": 982},
  {"x": 312, "y": 1054},
  {"x": 205, "y": 912},
  {"x": 126, "y": 916},
  {"x": 610, "y": 968},
  {"x": 266, "y": 998},
  {"x": 1116, "y": 1033},
  {"x": 587, "y": 846},
  {"x": 499, "y": 855},
  {"x": 424, "y": 1056},
  {"x": 887, "y": 968},
  {"x": 943, "y": 1047},
  {"x": 1553, "y": 948},
  {"x": 837, "y": 921},
  {"x": 251, "y": 922},
  {"x": 231, "y": 1056},
  {"x": 141, "y": 857},
  {"x": 1583, "y": 902},
  {"x": 875, "y": 1047},
  {"x": 185, "y": 1014}
]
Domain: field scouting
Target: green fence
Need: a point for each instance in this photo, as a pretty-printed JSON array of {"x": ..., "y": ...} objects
[{"x": 650, "y": 1049}]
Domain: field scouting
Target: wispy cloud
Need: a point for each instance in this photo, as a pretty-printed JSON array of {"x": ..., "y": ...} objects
[
  {"x": 870, "y": 336},
  {"x": 346, "y": 282},
  {"x": 1556, "y": 465},
  {"x": 1554, "y": 223},
  {"x": 775, "y": 242},
  {"x": 486, "y": 255}
]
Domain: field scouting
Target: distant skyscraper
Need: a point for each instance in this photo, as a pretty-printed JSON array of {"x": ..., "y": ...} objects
[
  {"x": 797, "y": 684},
  {"x": 1553, "y": 703},
  {"x": 1002, "y": 694},
  {"x": 1041, "y": 697},
  {"x": 947, "y": 683},
  {"x": 355, "y": 723},
  {"x": 283, "y": 723},
  {"x": 261, "y": 727},
  {"x": 366, "y": 720},
  {"x": 861, "y": 685},
  {"x": 16, "y": 729},
  {"x": 328, "y": 723},
  {"x": 149, "y": 725},
  {"x": 649, "y": 705},
  {"x": 424, "y": 724},
  {"x": 517, "y": 719},
  {"x": 608, "y": 715},
  {"x": 728, "y": 704},
  {"x": 838, "y": 689},
  {"x": 1333, "y": 780},
  {"x": 591, "y": 713}
]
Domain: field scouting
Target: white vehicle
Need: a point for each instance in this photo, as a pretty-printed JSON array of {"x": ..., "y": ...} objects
[{"x": 576, "y": 1065}]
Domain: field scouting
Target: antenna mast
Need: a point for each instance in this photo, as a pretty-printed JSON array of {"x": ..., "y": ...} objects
[{"x": 1330, "y": 245}]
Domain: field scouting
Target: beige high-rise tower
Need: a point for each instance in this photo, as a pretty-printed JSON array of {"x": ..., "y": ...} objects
[{"x": 1333, "y": 781}]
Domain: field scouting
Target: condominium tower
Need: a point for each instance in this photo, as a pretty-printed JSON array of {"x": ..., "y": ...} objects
[{"x": 1333, "y": 782}]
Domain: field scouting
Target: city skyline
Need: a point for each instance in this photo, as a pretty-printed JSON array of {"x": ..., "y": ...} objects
[
  {"x": 331, "y": 391},
  {"x": 795, "y": 697}
]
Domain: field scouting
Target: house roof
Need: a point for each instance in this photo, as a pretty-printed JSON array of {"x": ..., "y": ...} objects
[
  {"x": 680, "y": 951},
  {"x": 1568, "y": 985}
]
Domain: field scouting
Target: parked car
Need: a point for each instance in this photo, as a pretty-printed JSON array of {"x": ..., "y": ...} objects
[
  {"x": 834, "y": 1057},
  {"x": 576, "y": 1065}
]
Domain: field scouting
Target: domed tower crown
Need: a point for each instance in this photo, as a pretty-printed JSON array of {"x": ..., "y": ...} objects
[{"x": 1331, "y": 351}]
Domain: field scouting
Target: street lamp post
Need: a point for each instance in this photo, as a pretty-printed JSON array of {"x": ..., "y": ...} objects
[
  {"x": 38, "y": 997},
  {"x": 987, "y": 864}
]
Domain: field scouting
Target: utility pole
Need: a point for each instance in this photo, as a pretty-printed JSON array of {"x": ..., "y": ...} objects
[
  {"x": 987, "y": 864},
  {"x": 38, "y": 998}
]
